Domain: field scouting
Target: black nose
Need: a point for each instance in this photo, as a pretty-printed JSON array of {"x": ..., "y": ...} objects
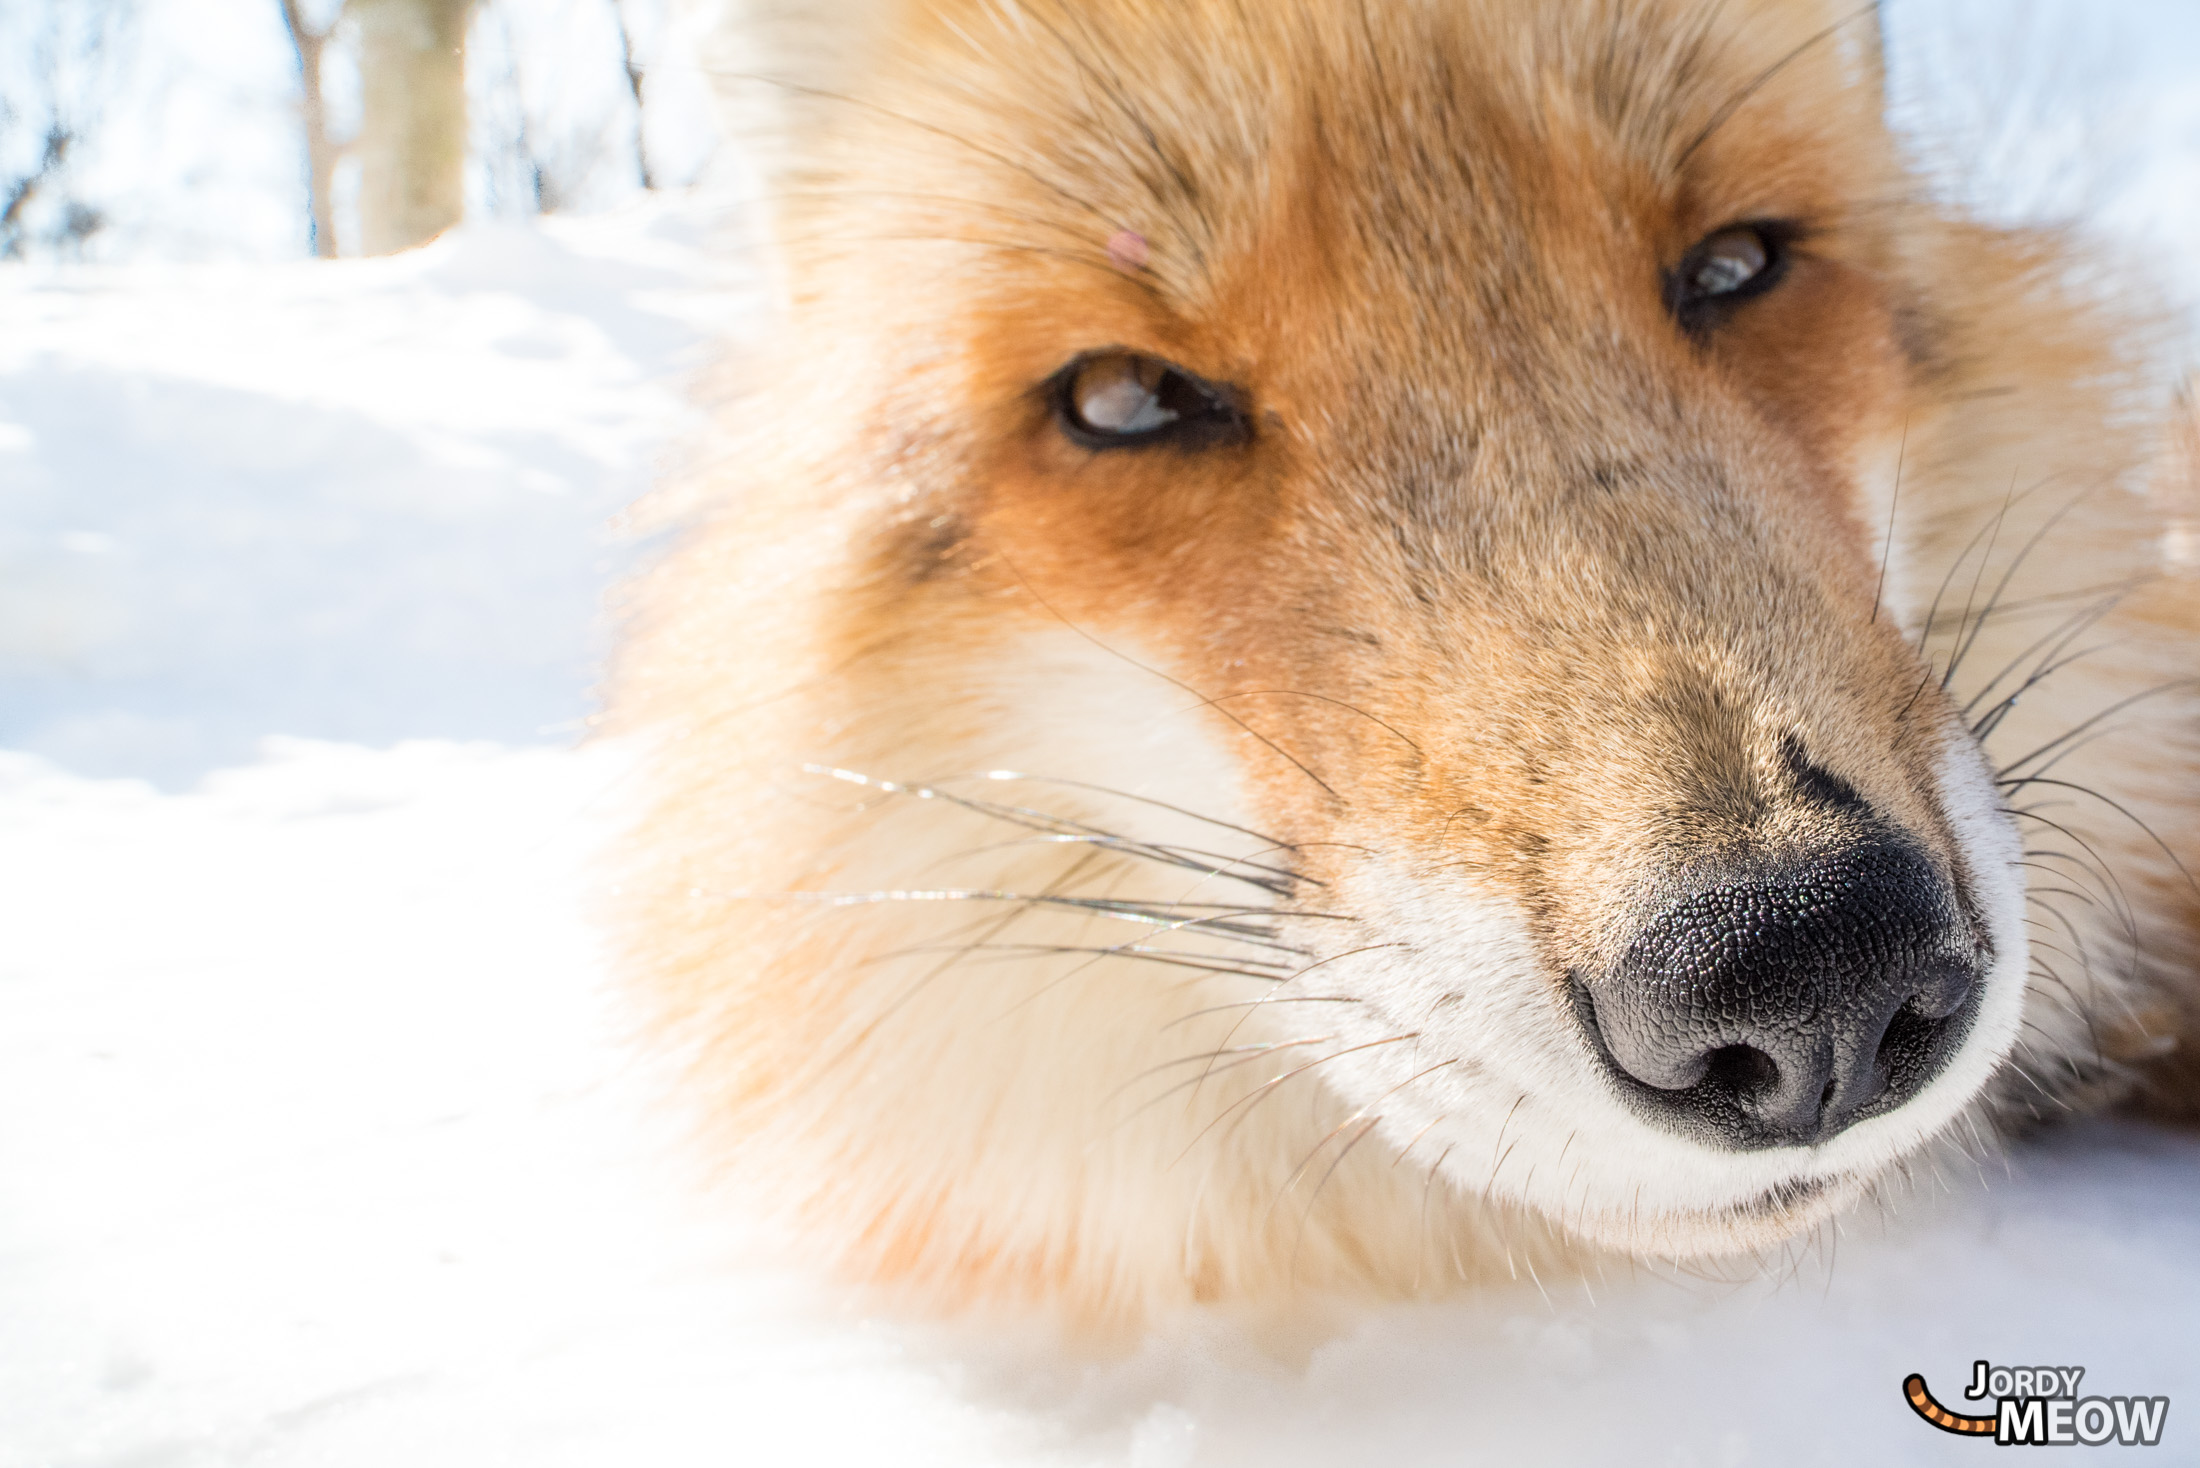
[{"x": 1777, "y": 1008}]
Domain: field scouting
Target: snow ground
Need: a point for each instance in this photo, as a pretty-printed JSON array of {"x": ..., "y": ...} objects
[
  {"x": 353, "y": 500},
  {"x": 319, "y": 1150},
  {"x": 317, "y": 1142}
]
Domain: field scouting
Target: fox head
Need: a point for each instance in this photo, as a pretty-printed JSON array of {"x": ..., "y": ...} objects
[{"x": 1363, "y": 570}]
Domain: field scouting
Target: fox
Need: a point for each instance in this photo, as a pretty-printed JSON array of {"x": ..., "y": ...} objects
[{"x": 1341, "y": 648}]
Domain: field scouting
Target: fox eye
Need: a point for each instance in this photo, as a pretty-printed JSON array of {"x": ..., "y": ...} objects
[
  {"x": 1726, "y": 268},
  {"x": 1115, "y": 399}
]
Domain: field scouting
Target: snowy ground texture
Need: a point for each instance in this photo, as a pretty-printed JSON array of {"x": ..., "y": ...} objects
[
  {"x": 317, "y": 1144},
  {"x": 316, "y": 1154}
]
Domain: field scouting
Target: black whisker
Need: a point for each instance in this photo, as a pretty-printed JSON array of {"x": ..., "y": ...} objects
[
  {"x": 1734, "y": 103},
  {"x": 2060, "y": 636},
  {"x": 1968, "y": 637},
  {"x": 1275, "y": 842},
  {"x": 2115, "y": 708},
  {"x": 2016, "y": 563},
  {"x": 2120, "y": 809},
  {"x": 1947, "y": 579},
  {"x": 1323, "y": 698},
  {"x": 1263, "y": 969},
  {"x": 1204, "y": 917},
  {"x": 1894, "y": 502},
  {"x": 2112, "y": 887},
  {"x": 1187, "y": 192},
  {"x": 1985, "y": 728},
  {"x": 1276, "y": 880},
  {"x": 1278, "y": 749}
]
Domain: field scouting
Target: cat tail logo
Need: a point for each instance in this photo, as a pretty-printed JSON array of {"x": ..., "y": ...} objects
[
  {"x": 1921, "y": 1400},
  {"x": 2039, "y": 1406}
]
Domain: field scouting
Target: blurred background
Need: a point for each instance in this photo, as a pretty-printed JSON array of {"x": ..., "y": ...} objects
[
  {"x": 269, "y": 129},
  {"x": 264, "y": 467}
]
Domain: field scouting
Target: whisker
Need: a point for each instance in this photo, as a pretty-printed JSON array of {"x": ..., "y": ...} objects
[
  {"x": 1734, "y": 103},
  {"x": 1363, "y": 1114},
  {"x": 850, "y": 100},
  {"x": 1932, "y": 612},
  {"x": 1276, "y": 842},
  {"x": 1255, "y": 1003},
  {"x": 1894, "y": 503},
  {"x": 1409, "y": 1146},
  {"x": 1428, "y": 1185},
  {"x": 1323, "y": 698},
  {"x": 2038, "y": 894},
  {"x": 1012, "y": 952},
  {"x": 2060, "y": 635},
  {"x": 2120, "y": 809},
  {"x": 1206, "y": 917},
  {"x": 2092, "y": 864},
  {"x": 1200, "y": 863},
  {"x": 1276, "y": 880},
  {"x": 1964, "y": 640},
  {"x": 1246, "y": 1054},
  {"x": 1503, "y": 1127},
  {"x": 1272, "y": 995},
  {"x": 1278, "y": 749},
  {"x": 1267, "y": 1088},
  {"x": 2016, "y": 562},
  {"x": 863, "y": 1035},
  {"x": 2117, "y": 707},
  {"x": 1186, "y": 193}
]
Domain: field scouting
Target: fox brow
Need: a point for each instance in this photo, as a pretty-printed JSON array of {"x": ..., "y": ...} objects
[{"x": 1662, "y": 84}]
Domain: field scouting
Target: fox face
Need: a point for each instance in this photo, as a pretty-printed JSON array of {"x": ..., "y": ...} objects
[{"x": 1351, "y": 567}]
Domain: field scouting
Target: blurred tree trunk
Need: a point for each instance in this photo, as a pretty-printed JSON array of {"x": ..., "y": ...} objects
[
  {"x": 634, "y": 74},
  {"x": 412, "y": 127},
  {"x": 321, "y": 154}
]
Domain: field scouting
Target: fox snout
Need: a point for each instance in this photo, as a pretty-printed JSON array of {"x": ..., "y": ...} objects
[{"x": 1774, "y": 1004}]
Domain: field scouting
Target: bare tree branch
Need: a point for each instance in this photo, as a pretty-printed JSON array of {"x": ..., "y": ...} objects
[
  {"x": 322, "y": 155},
  {"x": 70, "y": 77},
  {"x": 634, "y": 73}
]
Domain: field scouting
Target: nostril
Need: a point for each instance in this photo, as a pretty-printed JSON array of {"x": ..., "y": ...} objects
[
  {"x": 1902, "y": 1061},
  {"x": 1784, "y": 1004},
  {"x": 1743, "y": 1072},
  {"x": 1947, "y": 985}
]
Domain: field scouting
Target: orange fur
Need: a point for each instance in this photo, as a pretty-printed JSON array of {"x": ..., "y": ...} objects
[{"x": 1515, "y": 597}]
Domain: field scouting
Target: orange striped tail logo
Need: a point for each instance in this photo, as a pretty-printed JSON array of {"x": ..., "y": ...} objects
[{"x": 1921, "y": 1400}]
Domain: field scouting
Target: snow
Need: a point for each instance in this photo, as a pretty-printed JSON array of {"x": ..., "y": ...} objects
[
  {"x": 413, "y": 459},
  {"x": 319, "y": 1144},
  {"x": 320, "y": 1148}
]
